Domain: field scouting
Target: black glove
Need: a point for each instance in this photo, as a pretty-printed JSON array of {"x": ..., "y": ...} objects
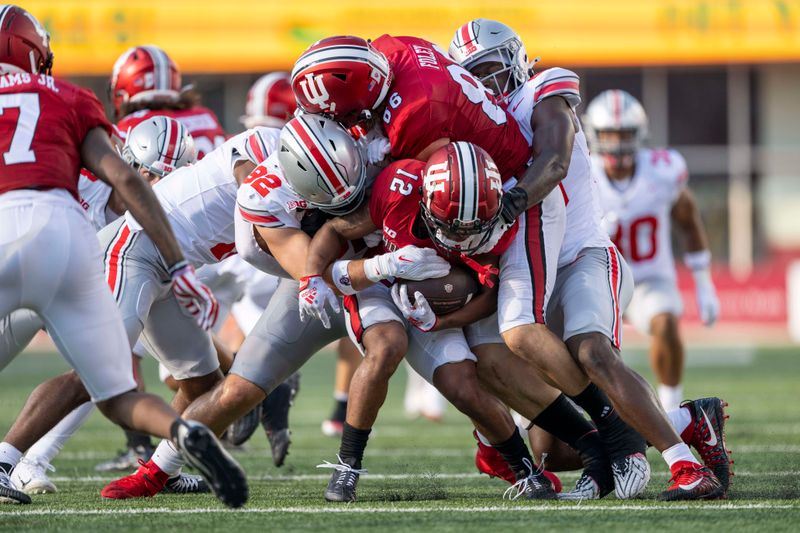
[{"x": 514, "y": 203}]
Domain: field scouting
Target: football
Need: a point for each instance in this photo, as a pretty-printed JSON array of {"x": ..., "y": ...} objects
[{"x": 449, "y": 293}]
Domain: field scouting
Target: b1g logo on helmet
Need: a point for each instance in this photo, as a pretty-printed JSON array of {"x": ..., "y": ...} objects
[{"x": 315, "y": 92}]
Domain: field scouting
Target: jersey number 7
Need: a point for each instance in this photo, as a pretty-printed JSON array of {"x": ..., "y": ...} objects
[{"x": 19, "y": 151}]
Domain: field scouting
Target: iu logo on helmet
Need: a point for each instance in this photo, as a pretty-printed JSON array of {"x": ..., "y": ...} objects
[{"x": 315, "y": 92}]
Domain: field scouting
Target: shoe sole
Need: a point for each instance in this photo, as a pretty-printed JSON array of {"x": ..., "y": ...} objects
[
  {"x": 40, "y": 489},
  {"x": 717, "y": 494},
  {"x": 8, "y": 495},
  {"x": 334, "y": 498},
  {"x": 280, "y": 451},
  {"x": 224, "y": 475}
]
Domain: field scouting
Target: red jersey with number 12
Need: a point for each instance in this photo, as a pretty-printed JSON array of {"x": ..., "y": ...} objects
[
  {"x": 395, "y": 205},
  {"x": 43, "y": 122},
  {"x": 432, "y": 97}
]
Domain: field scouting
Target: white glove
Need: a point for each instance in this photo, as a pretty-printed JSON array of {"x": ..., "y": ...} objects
[
  {"x": 196, "y": 299},
  {"x": 377, "y": 150},
  {"x": 707, "y": 301},
  {"x": 314, "y": 293},
  {"x": 419, "y": 314},
  {"x": 409, "y": 262}
]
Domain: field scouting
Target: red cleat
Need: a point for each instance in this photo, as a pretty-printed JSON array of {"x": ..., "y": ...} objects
[
  {"x": 489, "y": 461},
  {"x": 706, "y": 434},
  {"x": 691, "y": 481},
  {"x": 146, "y": 482}
]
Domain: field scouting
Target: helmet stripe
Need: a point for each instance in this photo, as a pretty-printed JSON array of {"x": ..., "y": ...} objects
[
  {"x": 359, "y": 54},
  {"x": 160, "y": 67},
  {"x": 617, "y": 107},
  {"x": 310, "y": 145},
  {"x": 172, "y": 140},
  {"x": 179, "y": 134},
  {"x": 4, "y": 12},
  {"x": 468, "y": 183}
]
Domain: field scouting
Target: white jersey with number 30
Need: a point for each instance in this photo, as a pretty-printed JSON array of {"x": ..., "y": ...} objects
[
  {"x": 638, "y": 216},
  {"x": 583, "y": 228},
  {"x": 200, "y": 199}
]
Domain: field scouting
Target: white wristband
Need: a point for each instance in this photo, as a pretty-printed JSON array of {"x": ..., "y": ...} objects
[
  {"x": 341, "y": 277},
  {"x": 700, "y": 260},
  {"x": 372, "y": 269}
]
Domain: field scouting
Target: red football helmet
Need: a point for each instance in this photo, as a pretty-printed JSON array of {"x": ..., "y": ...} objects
[
  {"x": 143, "y": 74},
  {"x": 461, "y": 193},
  {"x": 270, "y": 101},
  {"x": 24, "y": 43},
  {"x": 343, "y": 77}
]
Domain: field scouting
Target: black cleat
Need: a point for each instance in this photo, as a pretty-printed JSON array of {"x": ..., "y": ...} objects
[
  {"x": 708, "y": 436},
  {"x": 9, "y": 493},
  {"x": 279, "y": 442},
  {"x": 532, "y": 484},
  {"x": 202, "y": 451},
  {"x": 186, "y": 484},
  {"x": 693, "y": 482},
  {"x": 240, "y": 431},
  {"x": 342, "y": 486}
]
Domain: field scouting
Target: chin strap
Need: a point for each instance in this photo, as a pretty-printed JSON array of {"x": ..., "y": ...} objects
[{"x": 484, "y": 272}]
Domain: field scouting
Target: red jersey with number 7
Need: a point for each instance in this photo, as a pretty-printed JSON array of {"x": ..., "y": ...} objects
[
  {"x": 432, "y": 97},
  {"x": 43, "y": 122}
]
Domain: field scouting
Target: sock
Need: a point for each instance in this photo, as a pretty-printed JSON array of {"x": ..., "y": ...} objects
[
  {"x": 677, "y": 453},
  {"x": 514, "y": 451},
  {"x": 483, "y": 440},
  {"x": 9, "y": 457},
  {"x": 135, "y": 439},
  {"x": 561, "y": 419},
  {"x": 275, "y": 415},
  {"x": 167, "y": 458},
  {"x": 354, "y": 442},
  {"x": 46, "y": 448},
  {"x": 681, "y": 419},
  {"x": 619, "y": 438},
  {"x": 670, "y": 397},
  {"x": 340, "y": 408}
]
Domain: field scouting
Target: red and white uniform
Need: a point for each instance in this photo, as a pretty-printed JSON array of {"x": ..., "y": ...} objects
[
  {"x": 49, "y": 258},
  {"x": 199, "y": 201},
  {"x": 394, "y": 207},
  {"x": 638, "y": 218},
  {"x": 431, "y": 97},
  {"x": 579, "y": 187},
  {"x": 201, "y": 122}
]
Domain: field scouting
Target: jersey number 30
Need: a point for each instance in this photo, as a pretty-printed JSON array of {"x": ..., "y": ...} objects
[{"x": 19, "y": 151}]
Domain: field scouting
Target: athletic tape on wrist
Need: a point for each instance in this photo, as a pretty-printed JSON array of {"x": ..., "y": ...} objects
[{"x": 341, "y": 277}]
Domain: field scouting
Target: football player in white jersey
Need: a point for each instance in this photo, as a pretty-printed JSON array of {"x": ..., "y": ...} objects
[
  {"x": 586, "y": 313},
  {"x": 643, "y": 192}
]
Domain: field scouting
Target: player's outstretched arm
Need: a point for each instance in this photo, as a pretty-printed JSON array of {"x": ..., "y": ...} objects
[
  {"x": 553, "y": 124},
  {"x": 103, "y": 161},
  {"x": 326, "y": 246},
  {"x": 289, "y": 246},
  {"x": 698, "y": 257}
]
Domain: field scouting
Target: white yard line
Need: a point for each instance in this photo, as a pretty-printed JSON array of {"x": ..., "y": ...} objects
[
  {"x": 349, "y": 509},
  {"x": 419, "y": 475}
]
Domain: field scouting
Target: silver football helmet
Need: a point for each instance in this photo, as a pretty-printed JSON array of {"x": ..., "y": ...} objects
[
  {"x": 159, "y": 144},
  {"x": 322, "y": 163},
  {"x": 618, "y": 111},
  {"x": 482, "y": 40}
]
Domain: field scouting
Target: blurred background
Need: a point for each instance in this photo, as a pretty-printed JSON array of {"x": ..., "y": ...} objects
[{"x": 719, "y": 80}]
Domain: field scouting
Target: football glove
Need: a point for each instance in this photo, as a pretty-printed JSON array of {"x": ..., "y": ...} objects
[
  {"x": 419, "y": 314},
  {"x": 409, "y": 262},
  {"x": 313, "y": 294},
  {"x": 196, "y": 300}
]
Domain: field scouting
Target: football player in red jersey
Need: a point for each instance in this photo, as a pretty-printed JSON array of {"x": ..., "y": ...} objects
[
  {"x": 459, "y": 191},
  {"x": 50, "y": 258},
  {"x": 145, "y": 81}
]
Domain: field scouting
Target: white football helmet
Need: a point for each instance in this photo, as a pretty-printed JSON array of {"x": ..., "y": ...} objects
[
  {"x": 615, "y": 110},
  {"x": 159, "y": 144},
  {"x": 483, "y": 40},
  {"x": 322, "y": 164}
]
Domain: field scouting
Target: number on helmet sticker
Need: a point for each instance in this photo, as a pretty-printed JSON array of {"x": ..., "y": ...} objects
[
  {"x": 19, "y": 151},
  {"x": 476, "y": 93}
]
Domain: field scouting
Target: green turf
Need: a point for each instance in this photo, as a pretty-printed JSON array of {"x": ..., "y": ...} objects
[{"x": 422, "y": 473}]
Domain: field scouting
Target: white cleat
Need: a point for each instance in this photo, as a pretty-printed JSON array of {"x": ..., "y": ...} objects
[
  {"x": 30, "y": 476},
  {"x": 631, "y": 476}
]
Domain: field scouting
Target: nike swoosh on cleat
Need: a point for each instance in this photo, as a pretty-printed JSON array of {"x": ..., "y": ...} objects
[
  {"x": 25, "y": 483},
  {"x": 691, "y": 485},
  {"x": 712, "y": 441},
  {"x": 401, "y": 258}
]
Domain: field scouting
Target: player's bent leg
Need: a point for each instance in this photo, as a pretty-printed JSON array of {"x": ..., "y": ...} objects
[
  {"x": 667, "y": 359},
  {"x": 17, "y": 330},
  {"x": 230, "y": 399}
]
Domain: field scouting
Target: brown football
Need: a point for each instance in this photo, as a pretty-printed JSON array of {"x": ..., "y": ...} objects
[{"x": 449, "y": 293}]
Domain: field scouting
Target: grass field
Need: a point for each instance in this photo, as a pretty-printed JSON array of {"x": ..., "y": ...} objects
[{"x": 422, "y": 475}]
